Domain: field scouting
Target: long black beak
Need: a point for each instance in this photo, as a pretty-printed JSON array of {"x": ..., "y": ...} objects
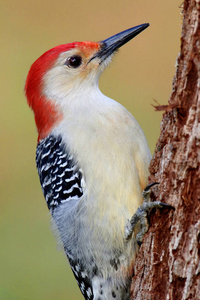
[{"x": 114, "y": 42}]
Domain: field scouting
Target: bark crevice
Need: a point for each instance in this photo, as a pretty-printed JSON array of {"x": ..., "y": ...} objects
[{"x": 168, "y": 263}]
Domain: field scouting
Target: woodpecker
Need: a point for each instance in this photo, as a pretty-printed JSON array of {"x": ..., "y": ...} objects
[{"x": 92, "y": 159}]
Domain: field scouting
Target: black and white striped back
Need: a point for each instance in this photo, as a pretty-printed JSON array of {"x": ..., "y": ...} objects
[{"x": 60, "y": 177}]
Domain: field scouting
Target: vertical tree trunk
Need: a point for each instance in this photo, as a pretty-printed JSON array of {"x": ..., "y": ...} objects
[{"x": 168, "y": 263}]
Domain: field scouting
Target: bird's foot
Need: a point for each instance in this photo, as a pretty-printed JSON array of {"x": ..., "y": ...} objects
[{"x": 141, "y": 215}]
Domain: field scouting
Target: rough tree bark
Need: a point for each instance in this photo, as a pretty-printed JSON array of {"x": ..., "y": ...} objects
[{"x": 168, "y": 263}]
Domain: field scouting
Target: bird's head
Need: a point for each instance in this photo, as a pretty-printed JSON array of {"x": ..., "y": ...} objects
[{"x": 68, "y": 70}]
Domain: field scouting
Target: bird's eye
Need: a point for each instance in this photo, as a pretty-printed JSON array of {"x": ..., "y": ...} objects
[{"x": 73, "y": 61}]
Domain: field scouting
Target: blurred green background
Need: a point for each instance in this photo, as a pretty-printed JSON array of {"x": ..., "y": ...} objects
[{"x": 31, "y": 265}]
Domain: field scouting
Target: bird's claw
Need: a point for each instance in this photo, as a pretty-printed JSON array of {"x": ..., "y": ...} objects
[{"x": 141, "y": 215}]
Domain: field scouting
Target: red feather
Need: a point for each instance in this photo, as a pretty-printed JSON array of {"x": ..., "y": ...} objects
[{"x": 46, "y": 113}]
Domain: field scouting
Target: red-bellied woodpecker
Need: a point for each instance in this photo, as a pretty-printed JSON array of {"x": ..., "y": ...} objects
[{"x": 92, "y": 158}]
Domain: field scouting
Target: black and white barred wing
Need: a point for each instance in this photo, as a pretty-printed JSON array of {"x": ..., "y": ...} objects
[
  {"x": 62, "y": 181},
  {"x": 60, "y": 177}
]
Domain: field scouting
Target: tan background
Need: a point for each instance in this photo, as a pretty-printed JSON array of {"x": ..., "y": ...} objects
[{"x": 31, "y": 267}]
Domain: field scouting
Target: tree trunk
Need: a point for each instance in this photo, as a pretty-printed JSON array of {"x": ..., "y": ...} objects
[{"x": 168, "y": 262}]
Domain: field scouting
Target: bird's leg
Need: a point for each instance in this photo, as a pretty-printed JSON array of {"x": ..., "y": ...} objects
[{"x": 141, "y": 215}]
